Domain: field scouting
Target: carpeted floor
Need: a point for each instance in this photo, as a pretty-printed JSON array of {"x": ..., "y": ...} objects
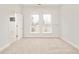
[{"x": 40, "y": 46}]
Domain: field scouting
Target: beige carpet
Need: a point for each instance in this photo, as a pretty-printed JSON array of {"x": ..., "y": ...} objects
[{"x": 40, "y": 46}]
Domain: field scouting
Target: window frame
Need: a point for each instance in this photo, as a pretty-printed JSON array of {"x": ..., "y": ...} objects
[
  {"x": 40, "y": 26},
  {"x": 47, "y": 24}
]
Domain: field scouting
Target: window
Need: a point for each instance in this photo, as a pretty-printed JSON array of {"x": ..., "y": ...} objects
[
  {"x": 35, "y": 19},
  {"x": 47, "y": 18},
  {"x": 35, "y": 24},
  {"x": 47, "y": 25}
]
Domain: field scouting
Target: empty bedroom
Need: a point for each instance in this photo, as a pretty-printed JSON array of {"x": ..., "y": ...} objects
[{"x": 39, "y": 28}]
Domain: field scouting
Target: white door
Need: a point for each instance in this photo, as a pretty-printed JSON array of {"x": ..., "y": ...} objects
[
  {"x": 12, "y": 28},
  {"x": 18, "y": 17}
]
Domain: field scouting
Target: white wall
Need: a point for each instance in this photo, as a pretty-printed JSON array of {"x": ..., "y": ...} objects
[
  {"x": 5, "y": 12},
  {"x": 28, "y": 10},
  {"x": 70, "y": 23}
]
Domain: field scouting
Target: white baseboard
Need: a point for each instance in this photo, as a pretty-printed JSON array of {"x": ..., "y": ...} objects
[
  {"x": 7, "y": 45},
  {"x": 71, "y": 43},
  {"x": 42, "y": 37}
]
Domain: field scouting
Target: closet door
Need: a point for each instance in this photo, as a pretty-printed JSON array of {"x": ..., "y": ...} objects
[
  {"x": 12, "y": 28},
  {"x": 19, "y": 25}
]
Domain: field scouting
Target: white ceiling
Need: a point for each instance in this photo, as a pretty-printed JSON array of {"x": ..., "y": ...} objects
[{"x": 42, "y": 5}]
